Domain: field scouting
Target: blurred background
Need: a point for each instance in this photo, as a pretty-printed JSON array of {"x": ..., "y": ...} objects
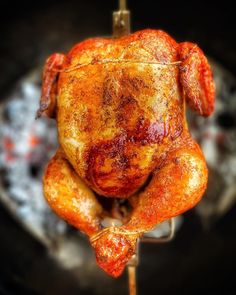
[{"x": 39, "y": 253}]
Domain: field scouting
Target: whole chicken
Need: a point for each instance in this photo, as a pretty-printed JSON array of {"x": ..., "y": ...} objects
[{"x": 120, "y": 111}]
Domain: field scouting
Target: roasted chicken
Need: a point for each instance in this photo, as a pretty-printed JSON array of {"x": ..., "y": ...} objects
[{"x": 120, "y": 111}]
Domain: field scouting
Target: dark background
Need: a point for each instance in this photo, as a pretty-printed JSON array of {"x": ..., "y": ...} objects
[
  {"x": 30, "y": 30},
  {"x": 196, "y": 261}
]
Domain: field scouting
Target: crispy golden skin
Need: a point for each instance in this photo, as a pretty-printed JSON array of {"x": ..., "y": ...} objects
[{"x": 120, "y": 109}]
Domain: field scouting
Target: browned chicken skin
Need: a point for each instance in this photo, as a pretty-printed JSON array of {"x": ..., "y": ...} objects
[{"x": 120, "y": 109}]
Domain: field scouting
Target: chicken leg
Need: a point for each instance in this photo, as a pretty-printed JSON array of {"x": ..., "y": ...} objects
[
  {"x": 69, "y": 197},
  {"x": 176, "y": 186}
]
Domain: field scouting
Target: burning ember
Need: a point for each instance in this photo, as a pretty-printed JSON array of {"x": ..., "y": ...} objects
[{"x": 26, "y": 146}]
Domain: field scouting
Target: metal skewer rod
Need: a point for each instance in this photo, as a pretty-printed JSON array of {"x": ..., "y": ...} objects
[
  {"x": 133, "y": 263},
  {"x": 121, "y": 27},
  {"x": 132, "y": 268},
  {"x": 132, "y": 280},
  {"x": 122, "y": 4},
  {"x": 121, "y": 20},
  {"x": 163, "y": 239}
]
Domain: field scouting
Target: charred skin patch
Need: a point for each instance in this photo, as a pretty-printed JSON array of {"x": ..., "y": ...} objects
[
  {"x": 110, "y": 171},
  {"x": 147, "y": 133},
  {"x": 114, "y": 169}
]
